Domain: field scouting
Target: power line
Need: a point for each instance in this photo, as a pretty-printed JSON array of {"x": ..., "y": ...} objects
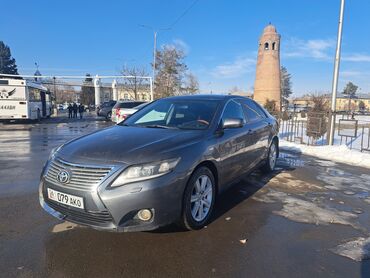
[{"x": 183, "y": 14}]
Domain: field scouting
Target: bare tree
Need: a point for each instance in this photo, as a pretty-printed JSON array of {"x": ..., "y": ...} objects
[
  {"x": 317, "y": 116},
  {"x": 170, "y": 71},
  {"x": 135, "y": 83},
  {"x": 191, "y": 84}
]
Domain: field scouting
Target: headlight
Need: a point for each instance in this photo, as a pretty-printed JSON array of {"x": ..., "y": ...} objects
[{"x": 145, "y": 171}]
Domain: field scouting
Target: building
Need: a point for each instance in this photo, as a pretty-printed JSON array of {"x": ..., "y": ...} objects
[
  {"x": 124, "y": 93},
  {"x": 343, "y": 102},
  {"x": 267, "y": 84}
]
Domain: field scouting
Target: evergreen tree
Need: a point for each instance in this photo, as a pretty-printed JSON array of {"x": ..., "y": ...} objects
[
  {"x": 7, "y": 62},
  {"x": 286, "y": 85}
]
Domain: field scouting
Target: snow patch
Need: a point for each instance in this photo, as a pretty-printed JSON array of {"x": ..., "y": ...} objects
[
  {"x": 303, "y": 211},
  {"x": 357, "y": 249},
  {"x": 340, "y": 154}
]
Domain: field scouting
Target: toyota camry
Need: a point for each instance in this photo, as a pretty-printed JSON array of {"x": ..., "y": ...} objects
[{"x": 167, "y": 163}]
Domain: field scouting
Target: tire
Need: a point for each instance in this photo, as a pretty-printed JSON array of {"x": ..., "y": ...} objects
[
  {"x": 272, "y": 156},
  {"x": 195, "y": 214},
  {"x": 109, "y": 115}
]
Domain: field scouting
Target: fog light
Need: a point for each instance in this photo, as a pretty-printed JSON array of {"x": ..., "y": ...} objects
[{"x": 144, "y": 214}]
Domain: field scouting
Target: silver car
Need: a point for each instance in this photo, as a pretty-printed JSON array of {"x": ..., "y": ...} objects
[{"x": 164, "y": 164}]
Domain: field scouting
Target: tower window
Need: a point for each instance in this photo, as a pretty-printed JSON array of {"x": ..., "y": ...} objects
[
  {"x": 273, "y": 45},
  {"x": 266, "y": 46}
]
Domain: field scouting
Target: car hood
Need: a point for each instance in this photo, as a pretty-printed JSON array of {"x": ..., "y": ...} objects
[{"x": 129, "y": 145}]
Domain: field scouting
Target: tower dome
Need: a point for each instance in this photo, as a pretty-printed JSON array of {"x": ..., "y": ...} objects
[{"x": 270, "y": 29}]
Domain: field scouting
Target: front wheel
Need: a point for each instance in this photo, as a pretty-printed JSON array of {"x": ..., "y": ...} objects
[
  {"x": 272, "y": 156},
  {"x": 109, "y": 116},
  {"x": 199, "y": 199}
]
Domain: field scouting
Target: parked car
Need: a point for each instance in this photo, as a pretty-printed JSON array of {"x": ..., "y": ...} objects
[
  {"x": 105, "y": 109},
  {"x": 164, "y": 164},
  {"x": 123, "y": 109}
]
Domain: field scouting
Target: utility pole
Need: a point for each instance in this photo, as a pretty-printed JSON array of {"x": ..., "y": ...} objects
[
  {"x": 336, "y": 74},
  {"x": 154, "y": 54},
  {"x": 155, "y": 33}
]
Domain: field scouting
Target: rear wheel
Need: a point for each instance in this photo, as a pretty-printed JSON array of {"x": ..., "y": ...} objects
[
  {"x": 109, "y": 115},
  {"x": 270, "y": 163},
  {"x": 199, "y": 199}
]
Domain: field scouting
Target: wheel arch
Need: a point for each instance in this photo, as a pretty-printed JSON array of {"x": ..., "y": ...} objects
[{"x": 213, "y": 168}]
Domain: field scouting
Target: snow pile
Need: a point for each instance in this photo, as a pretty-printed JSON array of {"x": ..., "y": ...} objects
[
  {"x": 357, "y": 249},
  {"x": 340, "y": 154}
]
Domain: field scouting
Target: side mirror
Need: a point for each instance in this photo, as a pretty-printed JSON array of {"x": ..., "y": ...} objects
[{"x": 232, "y": 123}]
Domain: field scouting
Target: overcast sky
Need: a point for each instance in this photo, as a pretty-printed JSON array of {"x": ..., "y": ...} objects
[{"x": 220, "y": 38}]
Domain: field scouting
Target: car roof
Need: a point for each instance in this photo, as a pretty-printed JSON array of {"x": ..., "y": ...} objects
[{"x": 205, "y": 97}]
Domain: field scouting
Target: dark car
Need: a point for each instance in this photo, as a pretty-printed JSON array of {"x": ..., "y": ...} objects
[
  {"x": 105, "y": 109},
  {"x": 164, "y": 164}
]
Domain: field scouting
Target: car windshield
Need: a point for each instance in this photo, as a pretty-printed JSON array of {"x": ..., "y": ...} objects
[{"x": 178, "y": 114}]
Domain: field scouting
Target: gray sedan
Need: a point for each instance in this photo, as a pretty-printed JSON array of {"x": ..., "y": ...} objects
[{"x": 165, "y": 164}]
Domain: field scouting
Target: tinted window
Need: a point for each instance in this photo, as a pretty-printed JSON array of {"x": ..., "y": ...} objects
[
  {"x": 172, "y": 113},
  {"x": 233, "y": 110},
  {"x": 253, "y": 105},
  {"x": 251, "y": 110}
]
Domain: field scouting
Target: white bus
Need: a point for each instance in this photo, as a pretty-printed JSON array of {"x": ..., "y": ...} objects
[{"x": 22, "y": 99}]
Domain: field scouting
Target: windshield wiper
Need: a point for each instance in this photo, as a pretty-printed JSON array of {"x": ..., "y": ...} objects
[{"x": 159, "y": 126}]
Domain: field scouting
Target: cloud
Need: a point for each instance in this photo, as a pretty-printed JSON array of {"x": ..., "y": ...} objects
[
  {"x": 350, "y": 73},
  {"x": 179, "y": 44},
  {"x": 356, "y": 58},
  {"x": 315, "y": 48},
  {"x": 237, "y": 68}
]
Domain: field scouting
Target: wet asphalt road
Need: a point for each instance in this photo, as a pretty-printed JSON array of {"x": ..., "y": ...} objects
[{"x": 289, "y": 224}]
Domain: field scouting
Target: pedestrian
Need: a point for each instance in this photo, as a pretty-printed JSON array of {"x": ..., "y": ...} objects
[
  {"x": 70, "y": 109},
  {"x": 81, "y": 110},
  {"x": 75, "y": 108}
]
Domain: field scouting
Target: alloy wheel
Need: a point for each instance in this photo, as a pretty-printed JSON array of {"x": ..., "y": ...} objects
[
  {"x": 272, "y": 156},
  {"x": 201, "y": 198}
]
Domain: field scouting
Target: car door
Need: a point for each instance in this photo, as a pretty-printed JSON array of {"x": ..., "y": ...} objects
[
  {"x": 233, "y": 145},
  {"x": 258, "y": 128}
]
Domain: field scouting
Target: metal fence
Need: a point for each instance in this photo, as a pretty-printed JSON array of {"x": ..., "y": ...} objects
[{"x": 311, "y": 129}]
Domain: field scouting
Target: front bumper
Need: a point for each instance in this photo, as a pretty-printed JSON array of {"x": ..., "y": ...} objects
[{"x": 115, "y": 209}]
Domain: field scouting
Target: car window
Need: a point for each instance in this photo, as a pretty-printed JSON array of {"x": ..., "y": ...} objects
[
  {"x": 253, "y": 105},
  {"x": 127, "y": 104},
  {"x": 250, "y": 110},
  {"x": 172, "y": 113},
  {"x": 233, "y": 110}
]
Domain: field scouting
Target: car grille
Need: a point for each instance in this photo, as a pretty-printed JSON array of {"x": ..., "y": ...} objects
[
  {"x": 96, "y": 218},
  {"x": 82, "y": 177}
]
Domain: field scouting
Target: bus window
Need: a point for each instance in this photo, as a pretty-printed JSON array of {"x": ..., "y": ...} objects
[{"x": 34, "y": 94}]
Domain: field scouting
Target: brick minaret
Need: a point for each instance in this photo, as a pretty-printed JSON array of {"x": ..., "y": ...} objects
[{"x": 267, "y": 84}]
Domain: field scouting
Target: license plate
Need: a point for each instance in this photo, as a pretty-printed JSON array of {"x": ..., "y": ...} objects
[{"x": 64, "y": 198}]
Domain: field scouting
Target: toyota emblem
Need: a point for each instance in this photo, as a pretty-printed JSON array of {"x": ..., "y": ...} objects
[{"x": 63, "y": 176}]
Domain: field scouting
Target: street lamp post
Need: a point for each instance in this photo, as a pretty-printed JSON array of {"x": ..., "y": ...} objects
[
  {"x": 336, "y": 74},
  {"x": 155, "y": 33}
]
